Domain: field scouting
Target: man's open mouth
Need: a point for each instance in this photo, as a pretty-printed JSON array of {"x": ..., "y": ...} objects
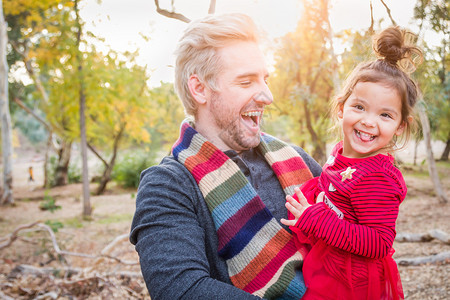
[{"x": 252, "y": 118}]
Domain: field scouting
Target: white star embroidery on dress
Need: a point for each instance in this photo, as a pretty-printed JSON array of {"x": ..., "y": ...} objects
[
  {"x": 330, "y": 160},
  {"x": 347, "y": 174}
]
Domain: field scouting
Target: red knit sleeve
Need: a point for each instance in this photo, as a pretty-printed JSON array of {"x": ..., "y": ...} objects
[{"x": 376, "y": 201}]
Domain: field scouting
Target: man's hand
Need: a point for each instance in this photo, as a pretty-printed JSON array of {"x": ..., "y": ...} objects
[{"x": 297, "y": 208}]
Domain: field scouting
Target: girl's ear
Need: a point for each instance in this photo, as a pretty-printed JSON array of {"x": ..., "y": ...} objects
[
  {"x": 340, "y": 112},
  {"x": 198, "y": 89},
  {"x": 403, "y": 125}
]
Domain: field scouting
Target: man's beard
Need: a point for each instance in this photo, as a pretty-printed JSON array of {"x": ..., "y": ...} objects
[{"x": 232, "y": 129}]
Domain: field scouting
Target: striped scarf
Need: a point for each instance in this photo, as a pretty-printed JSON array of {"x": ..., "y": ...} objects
[{"x": 261, "y": 256}]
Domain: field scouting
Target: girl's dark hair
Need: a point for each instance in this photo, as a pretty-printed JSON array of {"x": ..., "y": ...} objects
[{"x": 397, "y": 58}]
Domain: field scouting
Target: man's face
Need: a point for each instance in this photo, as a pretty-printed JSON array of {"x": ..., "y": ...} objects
[{"x": 235, "y": 110}]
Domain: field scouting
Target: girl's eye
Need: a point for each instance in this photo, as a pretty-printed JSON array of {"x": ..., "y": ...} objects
[
  {"x": 386, "y": 115},
  {"x": 360, "y": 107}
]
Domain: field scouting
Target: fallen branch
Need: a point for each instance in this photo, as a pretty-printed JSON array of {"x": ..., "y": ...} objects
[
  {"x": 432, "y": 259},
  {"x": 28, "y": 269},
  {"x": 9, "y": 239},
  {"x": 424, "y": 237}
]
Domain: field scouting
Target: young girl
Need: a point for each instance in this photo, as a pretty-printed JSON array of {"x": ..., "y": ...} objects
[{"x": 348, "y": 237}]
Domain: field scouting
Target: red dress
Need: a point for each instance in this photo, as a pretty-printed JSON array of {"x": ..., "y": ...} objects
[{"x": 348, "y": 238}]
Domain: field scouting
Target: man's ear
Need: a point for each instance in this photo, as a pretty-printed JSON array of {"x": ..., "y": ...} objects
[{"x": 198, "y": 89}]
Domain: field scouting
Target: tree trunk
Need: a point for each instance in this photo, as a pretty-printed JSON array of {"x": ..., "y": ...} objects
[
  {"x": 7, "y": 149},
  {"x": 62, "y": 169},
  {"x": 430, "y": 157},
  {"x": 416, "y": 145},
  {"x": 446, "y": 152},
  {"x": 106, "y": 177},
  {"x": 87, "y": 211}
]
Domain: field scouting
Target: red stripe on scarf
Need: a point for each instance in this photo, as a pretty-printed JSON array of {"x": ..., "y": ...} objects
[{"x": 205, "y": 162}]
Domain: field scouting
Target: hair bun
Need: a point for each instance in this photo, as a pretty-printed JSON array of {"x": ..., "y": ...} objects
[{"x": 396, "y": 47}]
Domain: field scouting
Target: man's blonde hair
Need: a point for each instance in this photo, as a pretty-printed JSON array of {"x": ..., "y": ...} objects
[{"x": 197, "y": 51}]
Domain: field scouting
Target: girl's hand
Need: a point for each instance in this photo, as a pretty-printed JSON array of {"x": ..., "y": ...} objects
[{"x": 296, "y": 208}]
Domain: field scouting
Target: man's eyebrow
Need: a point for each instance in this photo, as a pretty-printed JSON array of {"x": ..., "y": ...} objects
[{"x": 250, "y": 74}]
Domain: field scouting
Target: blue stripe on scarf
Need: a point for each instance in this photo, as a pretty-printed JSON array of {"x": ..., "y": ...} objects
[
  {"x": 185, "y": 142},
  {"x": 297, "y": 284},
  {"x": 232, "y": 205},
  {"x": 245, "y": 234}
]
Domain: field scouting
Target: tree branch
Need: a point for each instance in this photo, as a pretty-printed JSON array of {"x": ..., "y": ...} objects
[
  {"x": 105, "y": 252},
  {"x": 97, "y": 154},
  {"x": 171, "y": 14},
  {"x": 371, "y": 19},
  {"x": 388, "y": 10},
  {"x": 432, "y": 259},
  {"x": 28, "y": 110},
  {"x": 14, "y": 235},
  {"x": 423, "y": 237},
  {"x": 212, "y": 7}
]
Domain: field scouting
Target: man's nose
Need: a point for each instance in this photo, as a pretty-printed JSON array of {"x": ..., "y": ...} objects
[{"x": 264, "y": 96}]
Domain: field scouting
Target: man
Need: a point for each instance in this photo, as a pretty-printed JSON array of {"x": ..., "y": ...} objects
[{"x": 207, "y": 221}]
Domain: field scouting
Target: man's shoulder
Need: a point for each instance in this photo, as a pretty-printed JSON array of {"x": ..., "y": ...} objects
[{"x": 169, "y": 168}]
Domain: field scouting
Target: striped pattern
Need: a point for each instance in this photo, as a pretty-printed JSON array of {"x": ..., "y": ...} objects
[
  {"x": 370, "y": 203},
  {"x": 261, "y": 256}
]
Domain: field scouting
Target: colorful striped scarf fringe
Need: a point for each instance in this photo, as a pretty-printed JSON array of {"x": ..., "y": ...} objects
[{"x": 261, "y": 255}]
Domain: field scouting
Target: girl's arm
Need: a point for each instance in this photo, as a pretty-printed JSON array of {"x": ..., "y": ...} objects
[{"x": 375, "y": 200}]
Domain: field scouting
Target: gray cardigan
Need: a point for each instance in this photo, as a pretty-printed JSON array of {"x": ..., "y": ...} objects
[{"x": 174, "y": 232}]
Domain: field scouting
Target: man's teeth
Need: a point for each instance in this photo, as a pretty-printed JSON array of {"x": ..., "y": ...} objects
[{"x": 252, "y": 114}]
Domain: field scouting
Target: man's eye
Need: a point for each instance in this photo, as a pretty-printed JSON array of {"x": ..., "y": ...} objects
[{"x": 246, "y": 83}]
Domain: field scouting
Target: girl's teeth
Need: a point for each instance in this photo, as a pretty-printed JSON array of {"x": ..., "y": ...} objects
[{"x": 365, "y": 135}]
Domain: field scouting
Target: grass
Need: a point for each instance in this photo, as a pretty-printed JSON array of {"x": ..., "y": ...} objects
[
  {"x": 75, "y": 222},
  {"x": 115, "y": 218},
  {"x": 421, "y": 170}
]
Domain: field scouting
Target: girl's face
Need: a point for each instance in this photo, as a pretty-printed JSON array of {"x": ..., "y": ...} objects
[{"x": 370, "y": 118}]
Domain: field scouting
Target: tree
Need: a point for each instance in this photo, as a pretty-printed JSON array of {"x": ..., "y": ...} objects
[
  {"x": 87, "y": 211},
  {"x": 435, "y": 15},
  {"x": 7, "y": 149},
  {"x": 118, "y": 106},
  {"x": 304, "y": 78},
  {"x": 41, "y": 36}
]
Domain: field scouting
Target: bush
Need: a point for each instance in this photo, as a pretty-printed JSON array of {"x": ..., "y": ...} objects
[
  {"x": 49, "y": 203},
  {"x": 127, "y": 170},
  {"x": 73, "y": 173}
]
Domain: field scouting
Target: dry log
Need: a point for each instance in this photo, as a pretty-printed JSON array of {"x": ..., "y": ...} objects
[
  {"x": 432, "y": 259},
  {"x": 28, "y": 269},
  {"x": 423, "y": 237},
  {"x": 9, "y": 239}
]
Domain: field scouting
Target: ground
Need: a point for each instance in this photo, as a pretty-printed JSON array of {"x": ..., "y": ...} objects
[{"x": 112, "y": 216}]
